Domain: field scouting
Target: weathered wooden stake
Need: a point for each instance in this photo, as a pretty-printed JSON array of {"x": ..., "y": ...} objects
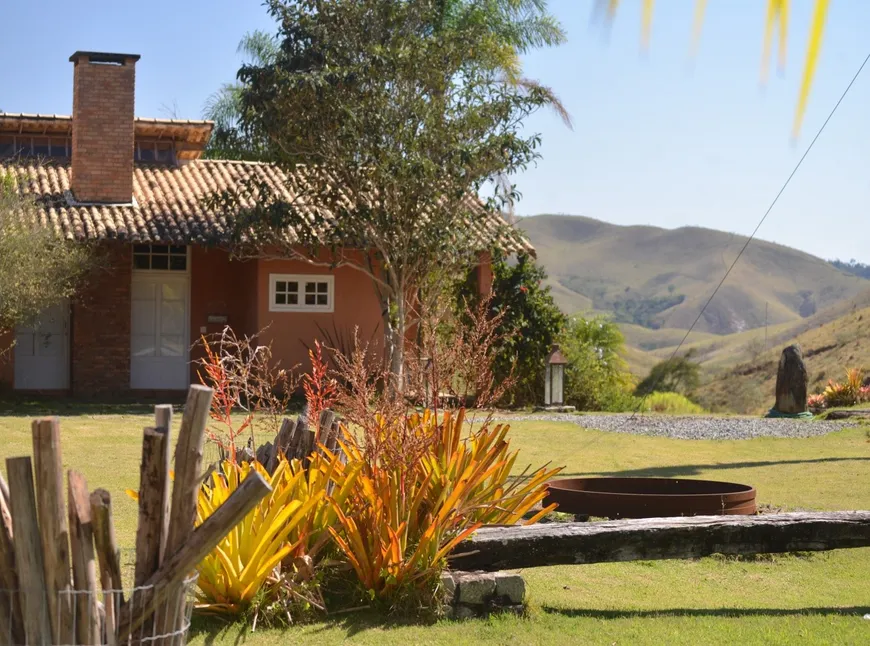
[
  {"x": 163, "y": 416},
  {"x": 87, "y": 615},
  {"x": 185, "y": 491},
  {"x": 11, "y": 626},
  {"x": 28, "y": 552},
  {"x": 151, "y": 533},
  {"x": 53, "y": 526},
  {"x": 324, "y": 426},
  {"x": 282, "y": 443},
  {"x": 163, "y": 584},
  {"x": 109, "y": 559}
]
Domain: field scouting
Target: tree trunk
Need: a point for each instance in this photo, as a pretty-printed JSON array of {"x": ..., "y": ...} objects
[
  {"x": 397, "y": 358},
  {"x": 791, "y": 382}
]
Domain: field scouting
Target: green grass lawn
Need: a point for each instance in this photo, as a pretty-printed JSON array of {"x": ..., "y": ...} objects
[{"x": 819, "y": 598}]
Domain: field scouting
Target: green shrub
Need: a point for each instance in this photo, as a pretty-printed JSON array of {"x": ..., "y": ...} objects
[
  {"x": 596, "y": 377},
  {"x": 674, "y": 375},
  {"x": 671, "y": 403},
  {"x": 530, "y": 326}
]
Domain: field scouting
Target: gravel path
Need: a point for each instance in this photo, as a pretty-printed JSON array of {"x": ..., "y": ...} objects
[{"x": 692, "y": 427}]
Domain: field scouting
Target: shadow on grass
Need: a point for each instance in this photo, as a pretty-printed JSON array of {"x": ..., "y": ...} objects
[
  {"x": 35, "y": 406},
  {"x": 697, "y": 469},
  {"x": 705, "y": 612},
  {"x": 212, "y": 629},
  {"x": 38, "y": 406}
]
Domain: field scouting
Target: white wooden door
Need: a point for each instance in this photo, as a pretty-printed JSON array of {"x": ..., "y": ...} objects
[
  {"x": 159, "y": 331},
  {"x": 42, "y": 352}
]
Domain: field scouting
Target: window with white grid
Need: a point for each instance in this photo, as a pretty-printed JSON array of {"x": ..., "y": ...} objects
[{"x": 301, "y": 293}]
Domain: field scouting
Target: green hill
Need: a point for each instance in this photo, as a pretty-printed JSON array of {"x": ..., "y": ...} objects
[
  {"x": 658, "y": 279},
  {"x": 829, "y": 348}
]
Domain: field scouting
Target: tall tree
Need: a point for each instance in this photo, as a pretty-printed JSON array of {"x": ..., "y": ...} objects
[
  {"x": 401, "y": 111},
  {"x": 38, "y": 268},
  {"x": 224, "y": 107}
]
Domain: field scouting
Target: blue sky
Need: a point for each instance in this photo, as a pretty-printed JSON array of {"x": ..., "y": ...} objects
[{"x": 659, "y": 138}]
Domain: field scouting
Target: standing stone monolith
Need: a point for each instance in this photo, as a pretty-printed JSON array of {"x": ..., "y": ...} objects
[{"x": 791, "y": 382}]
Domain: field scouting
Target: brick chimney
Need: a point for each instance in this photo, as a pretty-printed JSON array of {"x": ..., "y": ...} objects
[{"x": 102, "y": 131}]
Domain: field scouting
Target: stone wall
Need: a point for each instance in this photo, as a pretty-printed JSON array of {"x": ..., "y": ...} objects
[{"x": 475, "y": 594}]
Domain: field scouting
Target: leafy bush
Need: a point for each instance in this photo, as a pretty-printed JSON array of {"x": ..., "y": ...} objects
[
  {"x": 671, "y": 403},
  {"x": 674, "y": 375},
  {"x": 597, "y": 378},
  {"x": 531, "y": 323},
  {"x": 39, "y": 269}
]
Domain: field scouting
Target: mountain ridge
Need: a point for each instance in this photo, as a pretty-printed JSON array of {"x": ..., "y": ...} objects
[{"x": 660, "y": 278}]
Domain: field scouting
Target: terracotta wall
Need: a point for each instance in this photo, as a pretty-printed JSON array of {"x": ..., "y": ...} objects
[
  {"x": 220, "y": 287},
  {"x": 100, "y": 339},
  {"x": 484, "y": 273},
  {"x": 355, "y": 304}
]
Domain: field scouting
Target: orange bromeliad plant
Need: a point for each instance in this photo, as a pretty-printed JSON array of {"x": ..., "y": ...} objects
[{"x": 402, "y": 518}]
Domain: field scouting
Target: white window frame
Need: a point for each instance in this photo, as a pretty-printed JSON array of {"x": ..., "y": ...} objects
[{"x": 302, "y": 279}]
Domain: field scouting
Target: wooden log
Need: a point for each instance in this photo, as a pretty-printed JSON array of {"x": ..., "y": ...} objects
[
  {"x": 507, "y": 548},
  {"x": 11, "y": 622},
  {"x": 282, "y": 443},
  {"x": 163, "y": 417},
  {"x": 199, "y": 543},
  {"x": 264, "y": 453},
  {"x": 84, "y": 566},
  {"x": 4, "y": 488},
  {"x": 332, "y": 438},
  {"x": 791, "y": 382},
  {"x": 152, "y": 531},
  {"x": 53, "y": 526},
  {"x": 324, "y": 426},
  {"x": 28, "y": 552},
  {"x": 300, "y": 438},
  {"x": 185, "y": 491},
  {"x": 109, "y": 559}
]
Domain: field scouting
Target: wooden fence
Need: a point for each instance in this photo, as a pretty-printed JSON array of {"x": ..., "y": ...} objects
[{"x": 60, "y": 574}]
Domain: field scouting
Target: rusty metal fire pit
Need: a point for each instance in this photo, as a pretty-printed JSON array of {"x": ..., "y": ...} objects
[{"x": 650, "y": 497}]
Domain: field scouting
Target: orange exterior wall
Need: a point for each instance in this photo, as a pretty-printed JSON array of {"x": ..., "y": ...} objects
[
  {"x": 220, "y": 287},
  {"x": 484, "y": 273},
  {"x": 356, "y": 304}
]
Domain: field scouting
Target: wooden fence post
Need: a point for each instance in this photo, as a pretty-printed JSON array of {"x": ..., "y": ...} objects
[
  {"x": 199, "y": 543},
  {"x": 53, "y": 526},
  {"x": 185, "y": 491},
  {"x": 28, "y": 552},
  {"x": 109, "y": 559},
  {"x": 152, "y": 532},
  {"x": 88, "y": 629},
  {"x": 12, "y": 631}
]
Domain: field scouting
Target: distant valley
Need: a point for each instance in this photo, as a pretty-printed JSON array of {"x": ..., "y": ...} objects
[{"x": 654, "y": 281}]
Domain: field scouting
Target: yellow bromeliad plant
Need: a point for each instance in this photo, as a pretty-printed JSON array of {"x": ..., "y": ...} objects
[{"x": 288, "y": 527}]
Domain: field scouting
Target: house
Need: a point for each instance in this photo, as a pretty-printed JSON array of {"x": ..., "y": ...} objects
[{"x": 136, "y": 187}]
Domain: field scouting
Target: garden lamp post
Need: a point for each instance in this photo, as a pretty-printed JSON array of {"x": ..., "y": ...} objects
[{"x": 554, "y": 378}]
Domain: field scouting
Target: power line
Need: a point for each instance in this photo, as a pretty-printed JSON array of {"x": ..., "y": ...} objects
[{"x": 761, "y": 222}]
